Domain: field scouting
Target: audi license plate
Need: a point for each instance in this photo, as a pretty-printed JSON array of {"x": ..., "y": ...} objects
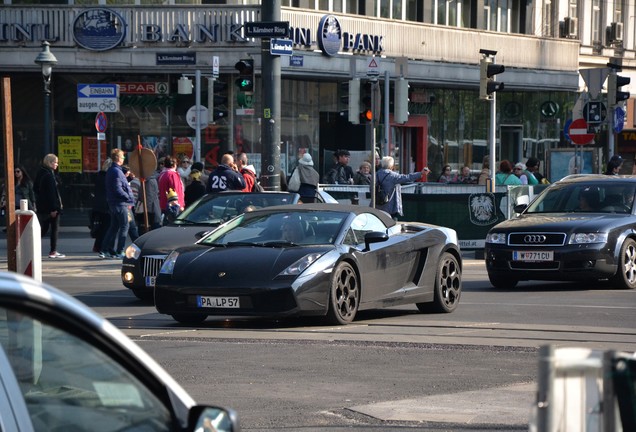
[
  {"x": 533, "y": 255},
  {"x": 217, "y": 302}
]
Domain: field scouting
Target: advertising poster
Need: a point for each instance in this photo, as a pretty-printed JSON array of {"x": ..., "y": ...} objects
[
  {"x": 90, "y": 161},
  {"x": 182, "y": 146},
  {"x": 564, "y": 162},
  {"x": 69, "y": 154}
]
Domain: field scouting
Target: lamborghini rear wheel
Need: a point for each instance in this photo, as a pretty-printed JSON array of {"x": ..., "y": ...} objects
[{"x": 344, "y": 297}]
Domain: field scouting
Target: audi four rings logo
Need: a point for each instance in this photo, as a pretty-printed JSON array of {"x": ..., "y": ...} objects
[{"x": 534, "y": 238}]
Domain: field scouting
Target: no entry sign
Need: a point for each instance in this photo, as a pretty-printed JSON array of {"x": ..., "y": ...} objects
[{"x": 579, "y": 134}]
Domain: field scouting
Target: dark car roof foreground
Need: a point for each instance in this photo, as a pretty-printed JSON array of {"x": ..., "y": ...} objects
[{"x": 67, "y": 319}]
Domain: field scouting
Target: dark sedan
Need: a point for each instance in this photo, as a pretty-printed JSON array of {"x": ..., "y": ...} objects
[
  {"x": 311, "y": 260},
  {"x": 143, "y": 258},
  {"x": 580, "y": 228}
]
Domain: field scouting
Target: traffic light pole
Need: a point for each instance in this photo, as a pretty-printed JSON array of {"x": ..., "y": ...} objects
[
  {"x": 492, "y": 138},
  {"x": 271, "y": 115}
]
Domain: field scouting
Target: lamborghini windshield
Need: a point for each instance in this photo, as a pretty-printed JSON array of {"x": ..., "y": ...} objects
[{"x": 279, "y": 229}]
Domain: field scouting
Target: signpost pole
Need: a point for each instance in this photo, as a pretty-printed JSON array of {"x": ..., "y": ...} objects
[
  {"x": 270, "y": 120},
  {"x": 197, "y": 144}
]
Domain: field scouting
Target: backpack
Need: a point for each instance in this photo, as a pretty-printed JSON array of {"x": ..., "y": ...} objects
[
  {"x": 381, "y": 197},
  {"x": 257, "y": 187}
]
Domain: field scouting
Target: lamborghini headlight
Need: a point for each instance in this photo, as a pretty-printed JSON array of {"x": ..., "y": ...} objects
[
  {"x": 587, "y": 238},
  {"x": 168, "y": 264},
  {"x": 133, "y": 251},
  {"x": 299, "y": 266},
  {"x": 497, "y": 238}
]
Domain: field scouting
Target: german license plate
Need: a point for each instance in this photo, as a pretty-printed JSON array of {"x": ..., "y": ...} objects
[
  {"x": 150, "y": 281},
  {"x": 533, "y": 256},
  {"x": 217, "y": 302}
]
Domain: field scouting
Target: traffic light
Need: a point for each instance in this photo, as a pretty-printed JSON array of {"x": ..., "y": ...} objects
[
  {"x": 487, "y": 83},
  {"x": 219, "y": 114},
  {"x": 245, "y": 81},
  {"x": 401, "y": 101},
  {"x": 217, "y": 100},
  {"x": 614, "y": 83},
  {"x": 220, "y": 92},
  {"x": 354, "y": 100},
  {"x": 366, "y": 116}
]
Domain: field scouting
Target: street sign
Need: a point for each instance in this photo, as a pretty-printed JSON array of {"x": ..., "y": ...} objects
[
  {"x": 619, "y": 119},
  {"x": 215, "y": 66},
  {"x": 281, "y": 47},
  {"x": 566, "y": 129},
  {"x": 594, "y": 79},
  {"x": 373, "y": 66},
  {"x": 267, "y": 29},
  {"x": 191, "y": 117},
  {"x": 579, "y": 134},
  {"x": 594, "y": 112},
  {"x": 97, "y": 97},
  {"x": 101, "y": 122}
]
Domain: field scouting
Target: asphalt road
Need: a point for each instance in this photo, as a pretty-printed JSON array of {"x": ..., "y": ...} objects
[{"x": 392, "y": 369}]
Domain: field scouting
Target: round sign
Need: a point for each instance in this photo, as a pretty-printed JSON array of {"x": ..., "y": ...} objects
[
  {"x": 578, "y": 132},
  {"x": 148, "y": 163},
  {"x": 101, "y": 122},
  {"x": 191, "y": 117}
]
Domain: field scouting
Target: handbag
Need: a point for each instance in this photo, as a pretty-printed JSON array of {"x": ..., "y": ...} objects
[
  {"x": 381, "y": 197},
  {"x": 294, "y": 182}
]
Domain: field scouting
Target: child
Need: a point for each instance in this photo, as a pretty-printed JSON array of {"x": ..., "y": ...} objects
[{"x": 173, "y": 205}]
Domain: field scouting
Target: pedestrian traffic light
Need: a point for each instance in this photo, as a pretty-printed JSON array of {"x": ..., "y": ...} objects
[
  {"x": 487, "y": 83},
  {"x": 614, "y": 83},
  {"x": 245, "y": 81},
  {"x": 401, "y": 101}
]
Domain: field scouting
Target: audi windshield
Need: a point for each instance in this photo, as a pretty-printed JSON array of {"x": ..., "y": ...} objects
[{"x": 593, "y": 197}]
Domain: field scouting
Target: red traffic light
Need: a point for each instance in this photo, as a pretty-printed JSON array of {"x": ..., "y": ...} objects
[{"x": 367, "y": 115}]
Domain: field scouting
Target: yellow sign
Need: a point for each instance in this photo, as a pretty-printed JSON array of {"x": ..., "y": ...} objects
[
  {"x": 267, "y": 113},
  {"x": 70, "y": 154}
]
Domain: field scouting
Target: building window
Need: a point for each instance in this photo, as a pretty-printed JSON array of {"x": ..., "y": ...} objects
[
  {"x": 573, "y": 9},
  {"x": 596, "y": 22}
]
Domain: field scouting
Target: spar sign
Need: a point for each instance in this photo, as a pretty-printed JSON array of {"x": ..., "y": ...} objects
[{"x": 578, "y": 132}]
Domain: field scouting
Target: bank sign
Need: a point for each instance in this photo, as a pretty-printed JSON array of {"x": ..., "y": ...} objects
[{"x": 102, "y": 29}]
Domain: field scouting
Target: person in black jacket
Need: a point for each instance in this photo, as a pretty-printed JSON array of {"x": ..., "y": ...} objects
[
  {"x": 48, "y": 201},
  {"x": 196, "y": 189},
  {"x": 100, "y": 215}
]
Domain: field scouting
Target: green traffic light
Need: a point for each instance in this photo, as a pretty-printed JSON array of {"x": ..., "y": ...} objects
[{"x": 244, "y": 84}]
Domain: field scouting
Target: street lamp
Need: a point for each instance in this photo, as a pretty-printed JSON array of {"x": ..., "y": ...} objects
[{"x": 47, "y": 60}]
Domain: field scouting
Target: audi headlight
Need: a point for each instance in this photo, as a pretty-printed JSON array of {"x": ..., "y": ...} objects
[
  {"x": 299, "y": 266},
  {"x": 497, "y": 238},
  {"x": 168, "y": 264},
  {"x": 133, "y": 251},
  {"x": 587, "y": 238}
]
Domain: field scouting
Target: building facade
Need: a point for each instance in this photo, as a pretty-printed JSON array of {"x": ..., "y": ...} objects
[{"x": 147, "y": 50}]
